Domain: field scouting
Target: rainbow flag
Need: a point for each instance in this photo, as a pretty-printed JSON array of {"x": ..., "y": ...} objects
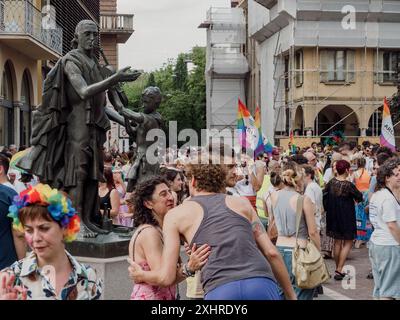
[
  {"x": 243, "y": 122},
  {"x": 387, "y": 134},
  {"x": 257, "y": 123},
  {"x": 293, "y": 147},
  {"x": 263, "y": 141}
]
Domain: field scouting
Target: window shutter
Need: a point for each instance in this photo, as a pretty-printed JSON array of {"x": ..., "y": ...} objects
[{"x": 350, "y": 66}]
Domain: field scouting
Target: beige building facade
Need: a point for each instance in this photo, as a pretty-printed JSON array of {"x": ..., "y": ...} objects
[
  {"x": 317, "y": 68},
  {"x": 25, "y": 40}
]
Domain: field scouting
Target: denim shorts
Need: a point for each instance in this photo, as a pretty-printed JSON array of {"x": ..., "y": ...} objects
[
  {"x": 385, "y": 261},
  {"x": 302, "y": 294},
  {"x": 257, "y": 288}
]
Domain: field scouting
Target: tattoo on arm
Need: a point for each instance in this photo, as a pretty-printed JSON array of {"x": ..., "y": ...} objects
[{"x": 258, "y": 228}]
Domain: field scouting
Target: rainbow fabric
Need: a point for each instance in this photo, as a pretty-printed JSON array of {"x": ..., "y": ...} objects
[
  {"x": 59, "y": 207},
  {"x": 387, "y": 134},
  {"x": 16, "y": 157},
  {"x": 263, "y": 143},
  {"x": 243, "y": 122},
  {"x": 292, "y": 145},
  {"x": 249, "y": 131}
]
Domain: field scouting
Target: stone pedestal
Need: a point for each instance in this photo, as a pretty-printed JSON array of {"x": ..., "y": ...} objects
[{"x": 107, "y": 254}]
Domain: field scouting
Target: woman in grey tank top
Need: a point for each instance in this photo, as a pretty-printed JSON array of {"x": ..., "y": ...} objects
[{"x": 284, "y": 211}]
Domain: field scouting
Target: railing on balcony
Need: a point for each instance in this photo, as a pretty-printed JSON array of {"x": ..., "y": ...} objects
[
  {"x": 22, "y": 17},
  {"x": 116, "y": 22}
]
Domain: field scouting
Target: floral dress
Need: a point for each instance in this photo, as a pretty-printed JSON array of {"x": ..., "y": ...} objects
[{"x": 82, "y": 284}]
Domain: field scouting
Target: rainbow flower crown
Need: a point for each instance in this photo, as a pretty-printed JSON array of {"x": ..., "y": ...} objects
[{"x": 59, "y": 207}]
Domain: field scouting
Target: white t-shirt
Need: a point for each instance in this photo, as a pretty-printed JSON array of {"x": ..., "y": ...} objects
[
  {"x": 383, "y": 208},
  {"x": 244, "y": 186},
  {"x": 328, "y": 175},
  {"x": 314, "y": 192},
  {"x": 369, "y": 164}
]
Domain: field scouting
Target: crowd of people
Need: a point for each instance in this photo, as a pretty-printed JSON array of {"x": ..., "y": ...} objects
[{"x": 234, "y": 214}]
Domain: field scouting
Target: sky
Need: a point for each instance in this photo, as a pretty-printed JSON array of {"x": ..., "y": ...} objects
[{"x": 163, "y": 29}]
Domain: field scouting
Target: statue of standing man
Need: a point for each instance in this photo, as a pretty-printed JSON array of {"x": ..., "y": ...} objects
[{"x": 69, "y": 128}]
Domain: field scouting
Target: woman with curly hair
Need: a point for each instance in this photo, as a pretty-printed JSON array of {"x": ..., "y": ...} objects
[
  {"x": 152, "y": 200},
  {"x": 49, "y": 272}
]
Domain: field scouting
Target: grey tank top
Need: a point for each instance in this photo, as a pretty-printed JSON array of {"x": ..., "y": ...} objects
[
  {"x": 234, "y": 252},
  {"x": 285, "y": 216}
]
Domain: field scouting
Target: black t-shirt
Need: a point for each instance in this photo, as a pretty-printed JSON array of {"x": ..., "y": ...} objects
[{"x": 8, "y": 254}]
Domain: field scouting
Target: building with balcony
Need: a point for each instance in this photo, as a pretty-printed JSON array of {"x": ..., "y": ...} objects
[
  {"x": 227, "y": 67},
  {"x": 325, "y": 65},
  {"x": 67, "y": 14},
  {"x": 26, "y": 38},
  {"x": 115, "y": 29}
]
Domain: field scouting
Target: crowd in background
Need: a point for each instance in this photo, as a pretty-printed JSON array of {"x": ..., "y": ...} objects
[{"x": 350, "y": 198}]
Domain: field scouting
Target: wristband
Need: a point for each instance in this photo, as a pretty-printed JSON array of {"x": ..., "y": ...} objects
[{"x": 186, "y": 271}]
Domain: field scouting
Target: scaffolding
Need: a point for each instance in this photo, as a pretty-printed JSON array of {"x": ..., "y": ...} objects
[
  {"x": 294, "y": 94},
  {"x": 226, "y": 66}
]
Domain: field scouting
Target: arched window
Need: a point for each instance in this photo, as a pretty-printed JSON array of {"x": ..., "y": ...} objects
[
  {"x": 6, "y": 108},
  {"x": 25, "y": 112}
]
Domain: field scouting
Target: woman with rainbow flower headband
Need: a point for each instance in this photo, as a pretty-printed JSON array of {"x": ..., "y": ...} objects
[{"x": 49, "y": 272}]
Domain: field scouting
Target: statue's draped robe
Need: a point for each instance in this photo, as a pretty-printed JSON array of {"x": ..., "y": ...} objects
[{"x": 68, "y": 133}]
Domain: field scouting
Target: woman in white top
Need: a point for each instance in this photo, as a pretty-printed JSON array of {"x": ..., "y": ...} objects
[{"x": 384, "y": 250}]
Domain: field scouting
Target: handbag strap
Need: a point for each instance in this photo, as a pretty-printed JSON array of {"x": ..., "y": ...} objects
[{"x": 299, "y": 211}]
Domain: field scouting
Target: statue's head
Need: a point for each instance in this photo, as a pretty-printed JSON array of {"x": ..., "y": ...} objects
[
  {"x": 86, "y": 35},
  {"x": 151, "y": 97}
]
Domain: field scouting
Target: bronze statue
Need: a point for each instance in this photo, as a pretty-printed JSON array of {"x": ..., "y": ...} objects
[
  {"x": 137, "y": 125},
  {"x": 69, "y": 128}
]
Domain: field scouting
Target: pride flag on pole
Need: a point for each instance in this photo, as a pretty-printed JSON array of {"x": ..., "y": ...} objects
[
  {"x": 387, "y": 134},
  {"x": 247, "y": 130},
  {"x": 243, "y": 120},
  {"x": 263, "y": 142},
  {"x": 293, "y": 147},
  {"x": 260, "y": 144}
]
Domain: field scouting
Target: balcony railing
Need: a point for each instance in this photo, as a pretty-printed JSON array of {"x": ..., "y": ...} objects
[
  {"x": 116, "y": 22},
  {"x": 23, "y": 18}
]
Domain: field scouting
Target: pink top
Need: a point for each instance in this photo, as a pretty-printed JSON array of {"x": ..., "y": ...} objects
[{"x": 144, "y": 291}]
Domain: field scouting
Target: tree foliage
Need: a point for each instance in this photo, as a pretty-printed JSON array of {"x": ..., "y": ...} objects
[{"x": 184, "y": 92}]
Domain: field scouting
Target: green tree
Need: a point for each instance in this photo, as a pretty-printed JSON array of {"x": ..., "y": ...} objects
[
  {"x": 180, "y": 73},
  {"x": 151, "y": 81},
  {"x": 184, "y": 93}
]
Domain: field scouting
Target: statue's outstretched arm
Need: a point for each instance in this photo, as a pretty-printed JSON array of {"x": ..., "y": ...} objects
[
  {"x": 132, "y": 115},
  {"x": 84, "y": 91},
  {"x": 125, "y": 112},
  {"x": 115, "y": 116}
]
